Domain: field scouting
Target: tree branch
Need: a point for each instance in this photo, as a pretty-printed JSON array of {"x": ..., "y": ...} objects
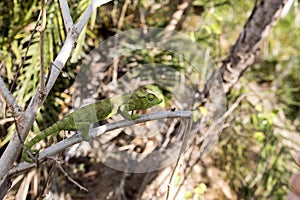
[
  {"x": 176, "y": 17},
  {"x": 13, "y": 149},
  {"x": 9, "y": 99},
  {"x": 87, "y": 14},
  {"x": 65, "y": 10},
  {"x": 247, "y": 47},
  {"x": 42, "y": 45},
  {"x": 96, "y": 132}
]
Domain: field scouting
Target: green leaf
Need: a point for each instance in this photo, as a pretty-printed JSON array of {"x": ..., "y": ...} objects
[
  {"x": 259, "y": 136},
  {"x": 201, "y": 189}
]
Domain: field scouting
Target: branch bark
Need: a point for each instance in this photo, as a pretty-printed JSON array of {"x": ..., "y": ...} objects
[
  {"x": 242, "y": 55},
  {"x": 65, "y": 10},
  {"x": 247, "y": 47},
  {"x": 94, "y": 133},
  {"x": 27, "y": 118},
  {"x": 9, "y": 99},
  {"x": 177, "y": 15}
]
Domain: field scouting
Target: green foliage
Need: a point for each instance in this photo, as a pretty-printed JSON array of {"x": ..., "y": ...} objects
[
  {"x": 21, "y": 68},
  {"x": 15, "y": 42},
  {"x": 283, "y": 51},
  {"x": 253, "y": 158},
  {"x": 283, "y": 77}
]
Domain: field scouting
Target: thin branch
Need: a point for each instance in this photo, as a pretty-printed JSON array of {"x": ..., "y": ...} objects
[
  {"x": 42, "y": 27},
  {"x": 96, "y": 132},
  {"x": 67, "y": 48},
  {"x": 182, "y": 148},
  {"x": 123, "y": 12},
  {"x": 50, "y": 174},
  {"x": 13, "y": 149},
  {"x": 26, "y": 52},
  {"x": 97, "y": 3},
  {"x": 176, "y": 17},
  {"x": 6, "y": 120},
  {"x": 42, "y": 45},
  {"x": 65, "y": 10},
  {"x": 234, "y": 106},
  {"x": 5, "y": 184},
  {"x": 217, "y": 122},
  {"x": 23, "y": 145},
  {"x": 87, "y": 14},
  {"x": 9, "y": 99},
  {"x": 70, "y": 178}
]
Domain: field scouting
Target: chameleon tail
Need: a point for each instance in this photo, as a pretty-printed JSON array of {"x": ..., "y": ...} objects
[{"x": 52, "y": 130}]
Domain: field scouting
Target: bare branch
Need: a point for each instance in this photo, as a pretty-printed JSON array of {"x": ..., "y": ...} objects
[
  {"x": 65, "y": 10},
  {"x": 176, "y": 17},
  {"x": 13, "y": 149},
  {"x": 247, "y": 47},
  {"x": 96, "y": 132},
  {"x": 182, "y": 148},
  {"x": 89, "y": 11},
  {"x": 97, "y": 3},
  {"x": 23, "y": 145},
  {"x": 123, "y": 12},
  {"x": 42, "y": 27},
  {"x": 5, "y": 184},
  {"x": 26, "y": 52},
  {"x": 9, "y": 99},
  {"x": 70, "y": 178},
  {"x": 42, "y": 45}
]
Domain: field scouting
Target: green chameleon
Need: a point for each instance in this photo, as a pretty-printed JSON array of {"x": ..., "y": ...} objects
[{"x": 92, "y": 113}]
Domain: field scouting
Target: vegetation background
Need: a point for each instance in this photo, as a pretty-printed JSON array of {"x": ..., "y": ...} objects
[{"x": 253, "y": 158}]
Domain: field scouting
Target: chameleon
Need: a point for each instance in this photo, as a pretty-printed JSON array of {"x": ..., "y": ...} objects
[{"x": 97, "y": 111}]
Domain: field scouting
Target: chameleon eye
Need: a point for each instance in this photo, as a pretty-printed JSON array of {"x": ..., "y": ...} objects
[{"x": 150, "y": 97}]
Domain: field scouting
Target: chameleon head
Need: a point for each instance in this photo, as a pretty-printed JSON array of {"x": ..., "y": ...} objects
[{"x": 142, "y": 99}]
